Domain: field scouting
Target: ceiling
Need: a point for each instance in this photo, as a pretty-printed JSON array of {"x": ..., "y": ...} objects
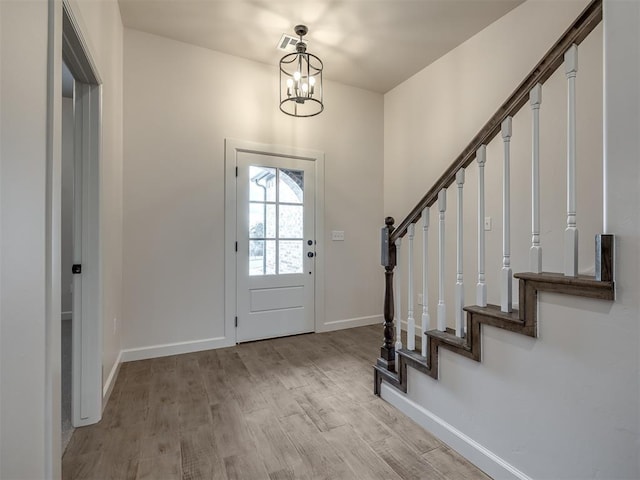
[{"x": 371, "y": 44}]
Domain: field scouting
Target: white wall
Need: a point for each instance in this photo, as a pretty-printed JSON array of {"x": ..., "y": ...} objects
[
  {"x": 622, "y": 184},
  {"x": 23, "y": 82},
  {"x": 181, "y": 102},
  {"x": 564, "y": 405},
  {"x": 26, "y": 446}
]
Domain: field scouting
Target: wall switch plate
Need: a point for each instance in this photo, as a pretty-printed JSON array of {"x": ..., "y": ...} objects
[
  {"x": 337, "y": 235},
  {"x": 420, "y": 299},
  {"x": 487, "y": 223}
]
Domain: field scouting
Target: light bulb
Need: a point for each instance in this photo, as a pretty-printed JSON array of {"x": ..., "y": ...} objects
[
  {"x": 296, "y": 76},
  {"x": 289, "y": 83},
  {"x": 312, "y": 82},
  {"x": 305, "y": 88}
]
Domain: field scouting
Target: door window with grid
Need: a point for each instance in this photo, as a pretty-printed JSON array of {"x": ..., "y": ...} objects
[{"x": 276, "y": 221}]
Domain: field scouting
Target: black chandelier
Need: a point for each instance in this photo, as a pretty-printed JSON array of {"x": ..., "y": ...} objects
[{"x": 301, "y": 81}]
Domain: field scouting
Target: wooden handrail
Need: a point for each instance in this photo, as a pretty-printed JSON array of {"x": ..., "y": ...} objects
[{"x": 575, "y": 34}]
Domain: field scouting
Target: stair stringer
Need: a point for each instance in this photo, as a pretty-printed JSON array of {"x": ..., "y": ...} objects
[{"x": 523, "y": 321}]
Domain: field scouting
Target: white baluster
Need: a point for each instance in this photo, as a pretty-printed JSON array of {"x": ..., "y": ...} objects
[
  {"x": 459, "y": 277},
  {"x": 506, "y": 274},
  {"x": 481, "y": 287},
  {"x": 442, "y": 311},
  {"x": 535, "y": 253},
  {"x": 411, "y": 323},
  {"x": 571, "y": 232},
  {"x": 426, "y": 320},
  {"x": 398, "y": 299}
]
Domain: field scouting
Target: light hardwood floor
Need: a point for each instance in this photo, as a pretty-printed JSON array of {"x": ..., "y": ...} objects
[{"x": 290, "y": 408}]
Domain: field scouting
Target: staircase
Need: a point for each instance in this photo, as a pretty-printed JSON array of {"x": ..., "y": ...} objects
[
  {"x": 522, "y": 321},
  {"x": 465, "y": 339}
]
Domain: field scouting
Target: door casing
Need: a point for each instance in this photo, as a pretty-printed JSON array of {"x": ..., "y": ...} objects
[{"x": 232, "y": 148}]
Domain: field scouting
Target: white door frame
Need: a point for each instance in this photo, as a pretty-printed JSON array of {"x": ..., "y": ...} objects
[
  {"x": 53, "y": 236},
  {"x": 65, "y": 38},
  {"x": 86, "y": 398},
  {"x": 232, "y": 148}
]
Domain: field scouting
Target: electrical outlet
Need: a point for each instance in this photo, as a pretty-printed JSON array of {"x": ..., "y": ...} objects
[
  {"x": 487, "y": 224},
  {"x": 115, "y": 324},
  {"x": 420, "y": 299}
]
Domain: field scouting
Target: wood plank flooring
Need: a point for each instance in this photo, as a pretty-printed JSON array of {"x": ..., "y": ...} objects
[{"x": 290, "y": 408}]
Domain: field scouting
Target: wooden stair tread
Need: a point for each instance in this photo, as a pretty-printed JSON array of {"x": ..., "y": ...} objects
[
  {"x": 495, "y": 312},
  {"x": 557, "y": 277},
  {"x": 392, "y": 378},
  {"x": 413, "y": 356},
  {"x": 582, "y": 285},
  {"x": 413, "y": 359},
  {"x": 448, "y": 338}
]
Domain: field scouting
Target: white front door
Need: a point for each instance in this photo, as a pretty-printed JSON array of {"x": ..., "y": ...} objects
[{"x": 275, "y": 234}]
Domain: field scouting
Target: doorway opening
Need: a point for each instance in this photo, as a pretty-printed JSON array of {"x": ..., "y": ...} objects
[
  {"x": 80, "y": 233},
  {"x": 66, "y": 227}
]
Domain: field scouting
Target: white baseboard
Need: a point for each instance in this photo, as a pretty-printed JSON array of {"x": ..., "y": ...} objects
[
  {"x": 480, "y": 456},
  {"x": 111, "y": 380},
  {"x": 350, "y": 323},
  {"x": 155, "y": 351}
]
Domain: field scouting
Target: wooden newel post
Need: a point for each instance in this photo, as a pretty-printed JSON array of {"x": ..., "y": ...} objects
[{"x": 387, "y": 351}]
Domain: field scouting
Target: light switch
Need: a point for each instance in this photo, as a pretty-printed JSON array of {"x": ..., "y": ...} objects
[
  {"x": 337, "y": 235},
  {"x": 487, "y": 223}
]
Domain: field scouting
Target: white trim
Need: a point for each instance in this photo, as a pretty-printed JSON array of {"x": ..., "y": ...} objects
[
  {"x": 90, "y": 71},
  {"x": 111, "y": 381},
  {"x": 232, "y": 147},
  {"x": 66, "y": 316},
  {"x": 229, "y": 240},
  {"x": 480, "y": 456},
  {"x": 351, "y": 323},
  {"x": 167, "y": 349},
  {"x": 320, "y": 241},
  {"x": 52, "y": 386}
]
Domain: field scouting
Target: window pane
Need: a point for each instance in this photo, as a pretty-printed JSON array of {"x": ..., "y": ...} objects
[
  {"x": 262, "y": 184},
  {"x": 271, "y": 221},
  {"x": 262, "y": 257},
  {"x": 270, "y": 263},
  {"x": 290, "y": 256},
  {"x": 256, "y": 220},
  {"x": 291, "y": 222},
  {"x": 259, "y": 213},
  {"x": 291, "y": 186}
]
